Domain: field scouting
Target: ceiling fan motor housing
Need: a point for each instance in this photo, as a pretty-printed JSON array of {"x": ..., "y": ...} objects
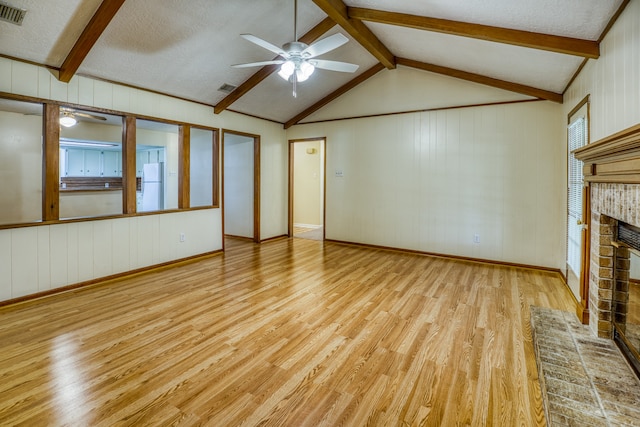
[{"x": 295, "y": 48}]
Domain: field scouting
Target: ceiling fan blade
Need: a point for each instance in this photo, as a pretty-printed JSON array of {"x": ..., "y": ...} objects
[
  {"x": 325, "y": 45},
  {"x": 89, "y": 116},
  {"x": 259, "y": 64},
  {"x": 264, "y": 44},
  {"x": 343, "y": 67}
]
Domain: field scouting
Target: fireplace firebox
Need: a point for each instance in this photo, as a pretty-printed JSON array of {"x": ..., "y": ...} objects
[{"x": 626, "y": 301}]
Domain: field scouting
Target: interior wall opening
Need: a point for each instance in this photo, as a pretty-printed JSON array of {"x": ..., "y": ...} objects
[
  {"x": 307, "y": 189},
  {"x": 241, "y": 176}
]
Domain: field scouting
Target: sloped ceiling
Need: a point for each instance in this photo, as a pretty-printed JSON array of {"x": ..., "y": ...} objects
[
  {"x": 185, "y": 48},
  {"x": 407, "y": 89}
]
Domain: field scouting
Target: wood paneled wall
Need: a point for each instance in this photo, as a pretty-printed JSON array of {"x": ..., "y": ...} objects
[
  {"x": 612, "y": 81},
  {"x": 430, "y": 181},
  {"x": 35, "y": 259}
]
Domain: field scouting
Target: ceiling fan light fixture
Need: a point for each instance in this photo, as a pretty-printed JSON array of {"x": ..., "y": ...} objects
[
  {"x": 67, "y": 120},
  {"x": 304, "y": 71},
  {"x": 286, "y": 70},
  {"x": 296, "y": 58}
]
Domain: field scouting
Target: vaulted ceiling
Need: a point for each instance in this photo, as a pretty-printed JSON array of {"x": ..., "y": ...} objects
[{"x": 185, "y": 48}]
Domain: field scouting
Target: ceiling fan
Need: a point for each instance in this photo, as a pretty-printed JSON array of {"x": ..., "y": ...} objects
[
  {"x": 68, "y": 117},
  {"x": 298, "y": 60}
]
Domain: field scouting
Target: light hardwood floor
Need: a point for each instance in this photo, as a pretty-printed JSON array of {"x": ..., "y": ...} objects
[{"x": 292, "y": 332}]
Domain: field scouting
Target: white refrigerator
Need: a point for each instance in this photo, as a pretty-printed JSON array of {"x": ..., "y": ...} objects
[{"x": 152, "y": 187}]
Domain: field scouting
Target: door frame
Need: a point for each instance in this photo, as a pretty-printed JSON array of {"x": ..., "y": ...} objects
[
  {"x": 582, "y": 306},
  {"x": 256, "y": 180},
  {"x": 324, "y": 184}
]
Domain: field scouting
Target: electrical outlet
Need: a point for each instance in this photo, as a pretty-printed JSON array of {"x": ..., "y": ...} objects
[
  {"x": 476, "y": 238},
  {"x": 182, "y": 237}
]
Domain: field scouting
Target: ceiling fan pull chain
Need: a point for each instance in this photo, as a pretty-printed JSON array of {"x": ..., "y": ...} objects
[{"x": 295, "y": 88}]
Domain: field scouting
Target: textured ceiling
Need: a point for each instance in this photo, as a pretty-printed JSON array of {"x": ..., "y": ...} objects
[
  {"x": 49, "y": 29},
  {"x": 186, "y": 47},
  {"x": 583, "y": 19},
  {"x": 533, "y": 67},
  {"x": 153, "y": 42}
]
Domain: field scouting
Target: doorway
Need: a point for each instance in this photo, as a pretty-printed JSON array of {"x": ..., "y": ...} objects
[
  {"x": 578, "y": 211},
  {"x": 241, "y": 185},
  {"x": 307, "y": 188}
]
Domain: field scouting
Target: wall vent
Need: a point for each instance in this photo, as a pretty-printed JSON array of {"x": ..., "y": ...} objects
[
  {"x": 227, "y": 88},
  {"x": 11, "y": 14}
]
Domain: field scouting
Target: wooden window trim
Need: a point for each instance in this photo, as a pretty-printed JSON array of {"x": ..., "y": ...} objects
[{"x": 51, "y": 162}]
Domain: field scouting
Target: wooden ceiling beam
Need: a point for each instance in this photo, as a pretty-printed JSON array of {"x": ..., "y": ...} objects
[
  {"x": 92, "y": 32},
  {"x": 335, "y": 94},
  {"x": 264, "y": 72},
  {"x": 477, "y": 78},
  {"x": 558, "y": 44},
  {"x": 337, "y": 10}
]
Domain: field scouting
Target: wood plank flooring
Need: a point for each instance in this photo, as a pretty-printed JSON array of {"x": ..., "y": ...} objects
[{"x": 293, "y": 332}]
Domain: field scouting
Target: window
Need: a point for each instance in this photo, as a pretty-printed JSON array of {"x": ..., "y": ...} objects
[
  {"x": 577, "y": 137},
  {"x": 90, "y": 164},
  {"x": 20, "y": 162},
  {"x": 156, "y": 166},
  {"x": 86, "y": 177},
  {"x": 202, "y": 167}
]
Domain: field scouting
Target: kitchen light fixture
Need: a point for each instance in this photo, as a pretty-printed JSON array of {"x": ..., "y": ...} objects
[
  {"x": 64, "y": 142},
  {"x": 67, "y": 120}
]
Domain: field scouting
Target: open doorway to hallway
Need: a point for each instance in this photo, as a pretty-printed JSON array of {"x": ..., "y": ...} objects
[{"x": 307, "y": 188}]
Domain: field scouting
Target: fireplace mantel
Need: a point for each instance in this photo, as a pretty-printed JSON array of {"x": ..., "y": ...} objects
[{"x": 614, "y": 159}]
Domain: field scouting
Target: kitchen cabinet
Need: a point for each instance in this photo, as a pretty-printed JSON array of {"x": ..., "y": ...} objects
[
  {"x": 142, "y": 158},
  {"x": 111, "y": 163},
  {"x": 78, "y": 162},
  {"x": 75, "y": 162},
  {"x": 92, "y": 163}
]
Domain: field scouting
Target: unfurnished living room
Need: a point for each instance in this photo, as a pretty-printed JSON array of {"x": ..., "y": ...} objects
[{"x": 319, "y": 213}]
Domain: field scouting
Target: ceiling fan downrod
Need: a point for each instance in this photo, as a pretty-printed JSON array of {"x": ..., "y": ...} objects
[{"x": 295, "y": 20}]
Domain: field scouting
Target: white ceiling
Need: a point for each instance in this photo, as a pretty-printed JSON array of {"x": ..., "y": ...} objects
[
  {"x": 582, "y": 19},
  {"x": 537, "y": 68},
  {"x": 48, "y": 31},
  {"x": 186, "y": 47}
]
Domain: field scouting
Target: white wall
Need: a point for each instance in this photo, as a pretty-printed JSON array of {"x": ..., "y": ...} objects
[
  {"x": 201, "y": 168},
  {"x": 238, "y": 185},
  {"x": 78, "y": 204},
  {"x": 430, "y": 181},
  {"x": 20, "y": 168},
  {"x": 45, "y": 257},
  {"x": 308, "y": 180}
]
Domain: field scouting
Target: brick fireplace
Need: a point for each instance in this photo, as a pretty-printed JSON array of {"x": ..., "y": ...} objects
[
  {"x": 612, "y": 173},
  {"x": 609, "y": 272}
]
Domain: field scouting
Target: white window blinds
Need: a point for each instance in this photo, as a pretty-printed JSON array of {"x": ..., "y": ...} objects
[{"x": 577, "y": 138}]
